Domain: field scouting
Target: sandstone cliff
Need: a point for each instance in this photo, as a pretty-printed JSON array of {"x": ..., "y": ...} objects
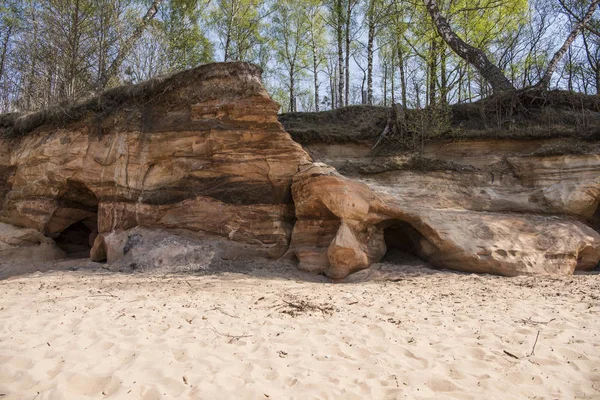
[
  {"x": 186, "y": 171},
  {"x": 506, "y": 204},
  {"x": 200, "y": 153}
]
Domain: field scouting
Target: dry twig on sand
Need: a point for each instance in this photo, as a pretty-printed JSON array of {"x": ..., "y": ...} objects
[
  {"x": 529, "y": 321},
  {"x": 222, "y": 312},
  {"x": 231, "y": 337},
  {"x": 533, "y": 349},
  {"x": 297, "y": 307},
  {"x": 510, "y": 355}
]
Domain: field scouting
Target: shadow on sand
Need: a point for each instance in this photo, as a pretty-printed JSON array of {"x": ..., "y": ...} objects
[{"x": 396, "y": 265}]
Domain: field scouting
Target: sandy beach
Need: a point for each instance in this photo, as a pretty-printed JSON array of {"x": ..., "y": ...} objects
[{"x": 416, "y": 334}]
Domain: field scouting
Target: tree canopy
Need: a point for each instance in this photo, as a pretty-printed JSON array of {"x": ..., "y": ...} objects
[{"x": 315, "y": 54}]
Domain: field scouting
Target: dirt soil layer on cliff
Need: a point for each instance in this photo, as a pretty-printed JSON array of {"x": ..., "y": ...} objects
[
  {"x": 525, "y": 114},
  {"x": 423, "y": 334}
]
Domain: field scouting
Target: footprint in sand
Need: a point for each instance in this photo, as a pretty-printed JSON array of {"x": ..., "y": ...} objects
[
  {"x": 92, "y": 385},
  {"x": 442, "y": 385},
  {"x": 416, "y": 362}
]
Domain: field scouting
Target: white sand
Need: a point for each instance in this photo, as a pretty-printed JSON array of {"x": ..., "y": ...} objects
[{"x": 74, "y": 335}]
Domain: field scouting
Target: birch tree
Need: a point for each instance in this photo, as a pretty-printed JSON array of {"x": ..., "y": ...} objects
[{"x": 291, "y": 31}]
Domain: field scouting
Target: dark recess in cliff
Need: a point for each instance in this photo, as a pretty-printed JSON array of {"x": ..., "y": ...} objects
[
  {"x": 595, "y": 221},
  {"x": 400, "y": 236},
  {"x": 75, "y": 240}
]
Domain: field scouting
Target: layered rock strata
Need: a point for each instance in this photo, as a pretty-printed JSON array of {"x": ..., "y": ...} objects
[
  {"x": 184, "y": 172},
  {"x": 200, "y": 152},
  {"x": 499, "y": 209}
]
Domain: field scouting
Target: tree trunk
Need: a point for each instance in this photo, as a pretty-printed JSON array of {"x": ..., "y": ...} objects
[
  {"x": 443, "y": 73},
  {"x": 316, "y": 78},
  {"x": 385, "y": 85},
  {"x": 432, "y": 72},
  {"x": 292, "y": 108},
  {"x": 470, "y": 54},
  {"x": 545, "y": 81},
  {"x": 402, "y": 76},
  {"x": 51, "y": 85},
  {"x": 5, "y": 49},
  {"x": 459, "y": 87},
  {"x": 570, "y": 70},
  {"x": 74, "y": 49},
  {"x": 102, "y": 26},
  {"x": 332, "y": 82},
  {"x": 126, "y": 48},
  {"x": 347, "y": 61},
  {"x": 34, "y": 57},
  {"x": 598, "y": 78},
  {"x": 370, "y": 41},
  {"x": 418, "y": 96},
  {"x": 340, "y": 36},
  {"x": 393, "y": 100},
  {"x": 227, "y": 45}
]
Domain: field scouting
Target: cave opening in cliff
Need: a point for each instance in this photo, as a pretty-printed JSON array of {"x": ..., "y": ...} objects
[
  {"x": 75, "y": 222},
  {"x": 596, "y": 219},
  {"x": 402, "y": 241},
  {"x": 75, "y": 240}
]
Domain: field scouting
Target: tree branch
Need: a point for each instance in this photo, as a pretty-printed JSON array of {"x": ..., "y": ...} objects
[
  {"x": 578, "y": 19},
  {"x": 470, "y": 54},
  {"x": 545, "y": 81},
  {"x": 126, "y": 48}
]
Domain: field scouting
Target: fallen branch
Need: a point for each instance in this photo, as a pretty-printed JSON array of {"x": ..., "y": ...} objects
[
  {"x": 232, "y": 337},
  {"x": 529, "y": 321},
  {"x": 100, "y": 293},
  {"x": 533, "y": 349},
  {"x": 510, "y": 354},
  {"x": 304, "y": 306},
  {"x": 223, "y": 312},
  {"x": 308, "y": 306}
]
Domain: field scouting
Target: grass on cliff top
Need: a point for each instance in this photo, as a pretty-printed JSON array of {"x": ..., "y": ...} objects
[
  {"x": 20, "y": 124},
  {"x": 360, "y": 123},
  {"x": 14, "y": 125},
  {"x": 524, "y": 114}
]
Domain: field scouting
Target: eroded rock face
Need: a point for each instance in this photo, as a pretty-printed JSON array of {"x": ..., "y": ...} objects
[
  {"x": 201, "y": 152},
  {"x": 187, "y": 172},
  {"x": 24, "y": 244},
  {"x": 499, "y": 206},
  {"x": 143, "y": 249},
  {"x": 343, "y": 226}
]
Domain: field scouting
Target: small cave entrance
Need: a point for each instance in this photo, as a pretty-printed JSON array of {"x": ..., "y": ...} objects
[
  {"x": 595, "y": 221},
  {"x": 74, "y": 225},
  {"x": 76, "y": 240},
  {"x": 404, "y": 243}
]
